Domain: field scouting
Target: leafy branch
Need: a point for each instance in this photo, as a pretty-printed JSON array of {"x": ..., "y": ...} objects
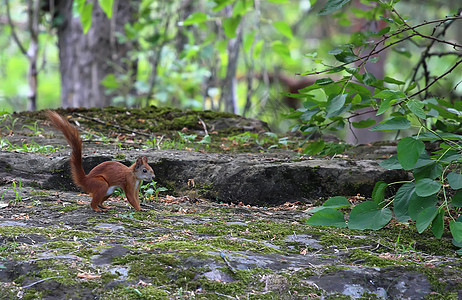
[{"x": 433, "y": 198}]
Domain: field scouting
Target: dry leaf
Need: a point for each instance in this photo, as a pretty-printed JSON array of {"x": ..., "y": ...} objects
[{"x": 88, "y": 276}]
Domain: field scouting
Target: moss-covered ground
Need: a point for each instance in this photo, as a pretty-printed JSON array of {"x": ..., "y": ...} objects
[
  {"x": 202, "y": 250},
  {"x": 53, "y": 246}
]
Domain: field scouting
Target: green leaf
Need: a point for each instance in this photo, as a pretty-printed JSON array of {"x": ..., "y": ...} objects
[
  {"x": 85, "y": 17},
  {"x": 364, "y": 123},
  {"x": 438, "y": 225},
  {"x": 332, "y": 5},
  {"x": 80, "y": 4},
  {"x": 378, "y": 193},
  {"x": 382, "y": 32},
  {"x": 430, "y": 136},
  {"x": 369, "y": 79},
  {"x": 401, "y": 202},
  {"x": 411, "y": 86},
  {"x": 396, "y": 123},
  {"x": 327, "y": 217},
  {"x": 425, "y": 217},
  {"x": 334, "y": 202},
  {"x": 450, "y": 156},
  {"x": 424, "y": 160},
  {"x": 346, "y": 56},
  {"x": 110, "y": 81},
  {"x": 221, "y": 4},
  {"x": 426, "y": 187},
  {"x": 324, "y": 81},
  {"x": 416, "y": 107},
  {"x": 368, "y": 215},
  {"x": 195, "y": 18},
  {"x": 385, "y": 105},
  {"x": 307, "y": 115},
  {"x": 106, "y": 6},
  {"x": 314, "y": 148},
  {"x": 402, "y": 51},
  {"x": 392, "y": 80},
  {"x": 257, "y": 48},
  {"x": 457, "y": 199},
  {"x": 456, "y": 230},
  {"x": 283, "y": 28},
  {"x": 455, "y": 180},
  {"x": 248, "y": 40},
  {"x": 391, "y": 163},
  {"x": 281, "y": 49},
  {"x": 335, "y": 104},
  {"x": 418, "y": 204},
  {"x": 205, "y": 140},
  {"x": 241, "y": 7},
  {"x": 390, "y": 94},
  {"x": 230, "y": 26},
  {"x": 432, "y": 171},
  {"x": 278, "y": 1},
  {"x": 389, "y": 97},
  {"x": 409, "y": 150}
]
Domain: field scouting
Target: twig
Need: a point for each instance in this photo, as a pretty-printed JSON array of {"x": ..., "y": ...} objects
[
  {"x": 375, "y": 52},
  {"x": 437, "y": 78},
  {"x": 54, "y": 257},
  {"x": 112, "y": 125},
  {"x": 13, "y": 31},
  {"x": 231, "y": 268},
  {"x": 455, "y": 45},
  {"x": 40, "y": 281},
  {"x": 203, "y": 125},
  {"x": 226, "y": 296}
]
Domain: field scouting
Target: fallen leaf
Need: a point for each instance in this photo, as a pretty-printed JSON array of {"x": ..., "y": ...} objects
[{"x": 88, "y": 276}]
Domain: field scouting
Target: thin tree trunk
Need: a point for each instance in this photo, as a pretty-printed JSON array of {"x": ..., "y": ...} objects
[
  {"x": 364, "y": 135},
  {"x": 229, "y": 88},
  {"x": 86, "y": 59},
  {"x": 33, "y": 8}
]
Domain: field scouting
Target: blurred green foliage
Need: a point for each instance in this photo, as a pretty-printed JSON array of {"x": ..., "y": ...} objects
[{"x": 181, "y": 50}]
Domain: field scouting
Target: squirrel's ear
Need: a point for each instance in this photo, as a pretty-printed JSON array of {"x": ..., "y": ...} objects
[
  {"x": 139, "y": 161},
  {"x": 145, "y": 159}
]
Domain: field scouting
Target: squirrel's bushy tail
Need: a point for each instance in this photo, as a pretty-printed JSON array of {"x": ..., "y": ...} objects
[{"x": 73, "y": 139}]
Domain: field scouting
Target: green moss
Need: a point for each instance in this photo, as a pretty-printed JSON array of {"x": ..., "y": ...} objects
[
  {"x": 57, "y": 269},
  {"x": 215, "y": 244},
  {"x": 259, "y": 231},
  {"x": 439, "y": 277},
  {"x": 119, "y": 156},
  {"x": 334, "y": 268},
  {"x": 31, "y": 294},
  {"x": 70, "y": 207},
  {"x": 138, "y": 292},
  {"x": 155, "y": 266},
  {"x": 50, "y": 232},
  {"x": 39, "y": 193},
  {"x": 244, "y": 279},
  {"x": 358, "y": 256},
  {"x": 62, "y": 245}
]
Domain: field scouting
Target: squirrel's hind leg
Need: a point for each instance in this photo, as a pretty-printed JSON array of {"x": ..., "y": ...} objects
[
  {"x": 99, "y": 189},
  {"x": 104, "y": 207}
]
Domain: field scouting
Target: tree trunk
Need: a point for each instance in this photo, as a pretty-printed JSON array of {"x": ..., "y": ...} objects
[
  {"x": 86, "y": 59},
  {"x": 358, "y": 136},
  {"x": 229, "y": 86}
]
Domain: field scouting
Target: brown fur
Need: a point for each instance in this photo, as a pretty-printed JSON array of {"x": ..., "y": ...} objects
[{"x": 106, "y": 175}]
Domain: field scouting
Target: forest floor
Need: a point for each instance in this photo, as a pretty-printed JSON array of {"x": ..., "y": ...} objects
[{"x": 183, "y": 245}]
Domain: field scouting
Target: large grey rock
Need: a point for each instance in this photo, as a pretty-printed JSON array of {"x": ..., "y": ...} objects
[{"x": 255, "y": 179}]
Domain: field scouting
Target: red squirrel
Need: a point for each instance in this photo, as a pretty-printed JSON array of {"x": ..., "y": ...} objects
[{"x": 105, "y": 177}]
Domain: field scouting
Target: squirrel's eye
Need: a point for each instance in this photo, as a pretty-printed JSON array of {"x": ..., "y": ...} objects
[{"x": 144, "y": 170}]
